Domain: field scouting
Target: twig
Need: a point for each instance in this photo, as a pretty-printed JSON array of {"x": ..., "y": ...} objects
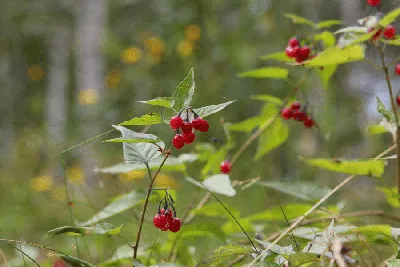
[
  {"x": 23, "y": 253},
  {"x": 287, "y": 221},
  {"x": 87, "y": 141}
]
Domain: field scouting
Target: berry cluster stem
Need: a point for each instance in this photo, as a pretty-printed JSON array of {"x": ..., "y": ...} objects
[{"x": 146, "y": 202}]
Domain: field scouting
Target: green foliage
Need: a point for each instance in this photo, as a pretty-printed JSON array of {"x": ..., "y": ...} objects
[
  {"x": 208, "y": 110},
  {"x": 377, "y": 129},
  {"x": 221, "y": 254},
  {"x": 184, "y": 92},
  {"x": 336, "y": 55},
  {"x": 308, "y": 191},
  {"x": 99, "y": 229},
  {"x": 147, "y": 119},
  {"x": 390, "y": 17},
  {"x": 75, "y": 262},
  {"x": 267, "y": 72},
  {"x": 301, "y": 258},
  {"x": 129, "y": 136},
  {"x": 300, "y": 20},
  {"x": 218, "y": 183},
  {"x": 272, "y": 137},
  {"x": 160, "y": 101},
  {"x": 328, "y": 23},
  {"x": 388, "y": 115}
]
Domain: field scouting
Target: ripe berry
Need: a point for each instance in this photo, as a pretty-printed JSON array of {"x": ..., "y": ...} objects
[
  {"x": 186, "y": 127},
  {"x": 389, "y": 32},
  {"x": 200, "y": 124},
  {"x": 299, "y": 115},
  {"x": 157, "y": 220},
  {"x": 398, "y": 100},
  {"x": 376, "y": 35},
  {"x": 225, "y": 167},
  {"x": 189, "y": 137},
  {"x": 293, "y": 42},
  {"x": 292, "y": 51},
  {"x": 397, "y": 69},
  {"x": 286, "y": 113},
  {"x": 309, "y": 122},
  {"x": 295, "y": 106},
  {"x": 175, "y": 225},
  {"x": 303, "y": 54},
  {"x": 168, "y": 214},
  {"x": 178, "y": 141},
  {"x": 176, "y": 122},
  {"x": 374, "y": 2}
]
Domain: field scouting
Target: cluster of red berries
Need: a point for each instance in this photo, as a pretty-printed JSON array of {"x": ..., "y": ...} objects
[
  {"x": 299, "y": 115},
  {"x": 187, "y": 125},
  {"x": 389, "y": 32},
  {"x": 374, "y": 2},
  {"x": 295, "y": 50},
  {"x": 164, "y": 219},
  {"x": 225, "y": 167}
]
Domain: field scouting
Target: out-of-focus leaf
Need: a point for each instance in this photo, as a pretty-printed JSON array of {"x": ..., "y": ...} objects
[
  {"x": 300, "y": 20},
  {"x": 390, "y": 17},
  {"x": 391, "y": 197},
  {"x": 160, "y": 101},
  {"x": 99, "y": 229},
  {"x": 377, "y": 129},
  {"x": 304, "y": 190},
  {"x": 267, "y": 72},
  {"x": 184, "y": 92},
  {"x": 374, "y": 232},
  {"x": 394, "y": 41},
  {"x": 356, "y": 29},
  {"x": 117, "y": 206},
  {"x": 392, "y": 263},
  {"x": 218, "y": 183},
  {"x": 389, "y": 116},
  {"x": 193, "y": 231},
  {"x": 274, "y": 136},
  {"x": 360, "y": 167},
  {"x": 268, "y": 98},
  {"x": 216, "y": 210},
  {"x": 300, "y": 258},
  {"x": 326, "y": 74},
  {"x": 75, "y": 262},
  {"x": 336, "y": 55},
  {"x": 147, "y": 119},
  {"x": 275, "y": 214},
  {"x": 278, "y": 56},
  {"x": 245, "y": 126},
  {"x": 328, "y": 23},
  {"x": 327, "y": 37},
  {"x": 208, "y": 110},
  {"x": 221, "y": 254},
  {"x": 277, "y": 249},
  {"x": 361, "y": 38}
]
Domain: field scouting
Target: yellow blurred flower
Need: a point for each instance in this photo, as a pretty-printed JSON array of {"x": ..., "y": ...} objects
[
  {"x": 88, "y": 97},
  {"x": 58, "y": 194},
  {"x": 193, "y": 32},
  {"x": 133, "y": 175},
  {"x": 113, "y": 78},
  {"x": 42, "y": 183},
  {"x": 35, "y": 72},
  {"x": 185, "y": 48},
  {"x": 164, "y": 180},
  {"x": 131, "y": 55},
  {"x": 155, "y": 46},
  {"x": 76, "y": 175}
]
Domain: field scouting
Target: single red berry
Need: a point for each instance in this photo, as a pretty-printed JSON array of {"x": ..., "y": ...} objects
[
  {"x": 286, "y": 113},
  {"x": 295, "y": 105},
  {"x": 225, "y": 167},
  {"x": 186, "y": 127},
  {"x": 200, "y": 124},
  {"x": 309, "y": 122},
  {"x": 376, "y": 35},
  {"x": 175, "y": 225},
  {"x": 292, "y": 51},
  {"x": 397, "y": 69},
  {"x": 178, "y": 141},
  {"x": 176, "y": 122},
  {"x": 303, "y": 54},
  {"x": 157, "y": 221},
  {"x": 389, "y": 32},
  {"x": 204, "y": 126},
  {"x": 189, "y": 137},
  {"x": 374, "y": 2},
  {"x": 398, "y": 100},
  {"x": 168, "y": 214},
  {"x": 293, "y": 42},
  {"x": 299, "y": 115}
]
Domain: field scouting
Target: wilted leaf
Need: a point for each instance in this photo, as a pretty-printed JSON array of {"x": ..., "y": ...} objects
[
  {"x": 208, "y": 110},
  {"x": 147, "y": 119},
  {"x": 278, "y": 56},
  {"x": 218, "y": 183},
  {"x": 328, "y": 23},
  {"x": 75, "y": 262},
  {"x": 99, "y": 229},
  {"x": 219, "y": 255},
  {"x": 160, "y": 101},
  {"x": 336, "y": 55},
  {"x": 274, "y": 136},
  {"x": 300, "y": 20},
  {"x": 389, "y": 18},
  {"x": 305, "y": 190},
  {"x": 267, "y": 72},
  {"x": 184, "y": 92}
]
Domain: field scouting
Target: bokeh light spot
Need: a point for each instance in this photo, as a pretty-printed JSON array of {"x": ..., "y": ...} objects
[
  {"x": 35, "y": 72},
  {"x": 88, "y": 97},
  {"x": 193, "y": 32},
  {"x": 185, "y": 48}
]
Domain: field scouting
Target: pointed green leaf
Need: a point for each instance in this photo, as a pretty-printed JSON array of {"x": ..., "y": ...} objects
[
  {"x": 218, "y": 183},
  {"x": 388, "y": 115},
  {"x": 328, "y": 23},
  {"x": 300, "y": 20},
  {"x": 136, "y": 153},
  {"x": 160, "y": 101},
  {"x": 147, "y": 119},
  {"x": 377, "y": 129},
  {"x": 337, "y": 55},
  {"x": 356, "y": 29},
  {"x": 184, "y": 92},
  {"x": 274, "y": 136},
  {"x": 117, "y": 206},
  {"x": 246, "y": 126},
  {"x": 327, "y": 37},
  {"x": 390, "y": 17},
  {"x": 278, "y": 56},
  {"x": 75, "y": 262},
  {"x": 357, "y": 39},
  {"x": 361, "y": 167},
  {"x": 133, "y": 137},
  {"x": 308, "y": 191},
  {"x": 300, "y": 258},
  {"x": 221, "y": 254},
  {"x": 268, "y": 98},
  {"x": 208, "y": 110},
  {"x": 99, "y": 229},
  {"x": 267, "y": 72}
]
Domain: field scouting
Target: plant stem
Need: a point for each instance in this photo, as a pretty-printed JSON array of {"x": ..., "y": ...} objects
[{"x": 146, "y": 202}]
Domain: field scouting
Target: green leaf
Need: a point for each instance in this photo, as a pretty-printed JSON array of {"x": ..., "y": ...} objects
[
  {"x": 356, "y": 29},
  {"x": 388, "y": 115},
  {"x": 192, "y": 232},
  {"x": 300, "y": 20},
  {"x": 390, "y": 17},
  {"x": 275, "y": 214},
  {"x": 221, "y": 254},
  {"x": 357, "y": 39},
  {"x": 326, "y": 74},
  {"x": 327, "y": 37},
  {"x": 136, "y": 153},
  {"x": 147, "y": 119},
  {"x": 216, "y": 210},
  {"x": 361, "y": 167},
  {"x": 328, "y": 23},
  {"x": 245, "y": 126},
  {"x": 123, "y": 255},
  {"x": 99, "y": 229},
  {"x": 278, "y": 56},
  {"x": 374, "y": 231},
  {"x": 377, "y": 129},
  {"x": 301, "y": 258},
  {"x": 308, "y": 191},
  {"x": 395, "y": 41},
  {"x": 218, "y": 183},
  {"x": 268, "y": 98},
  {"x": 391, "y": 196},
  {"x": 160, "y": 101},
  {"x": 122, "y": 203},
  {"x": 267, "y": 72},
  {"x": 75, "y": 262},
  {"x": 184, "y": 92},
  {"x": 208, "y": 110},
  {"x": 274, "y": 136},
  {"x": 336, "y": 55},
  {"x": 133, "y": 137}
]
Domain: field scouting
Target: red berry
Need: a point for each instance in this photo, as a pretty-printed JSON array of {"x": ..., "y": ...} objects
[
  {"x": 397, "y": 69},
  {"x": 309, "y": 122},
  {"x": 389, "y": 32},
  {"x": 374, "y": 2},
  {"x": 303, "y": 54},
  {"x": 376, "y": 35},
  {"x": 295, "y": 105},
  {"x": 157, "y": 221},
  {"x": 398, "y": 100},
  {"x": 225, "y": 167},
  {"x": 293, "y": 42},
  {"x": 292, "y": 51},
  {"x": 59, "y": 263},
  {"x": 286, "y": 113},
  {"x": 175, "y": 225},
  {"x": 200, "y": 124},
  {"x": 186, "y": 127},
  {"x": 178, "y": 141},
  {"x": 189, "y": 137},
  {"x": 299, "y": 115},
  {"x": 168, "y": 214},
  {"x": 176, "y": 122}
]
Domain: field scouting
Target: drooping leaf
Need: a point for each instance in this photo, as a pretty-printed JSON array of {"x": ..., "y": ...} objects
[
  {"x": 326, "y": 37},
  {"x": 360, "y": 167},
  {"x": 268, "y": 98},
  {"x": 136, "y": 153},
  {"x": 336, "y": 55},
  {"x": 99, "y": 229},
  {"x": 300, "y": 20},
  {"x": 184, "y": 92},
  {"x": 218, "y": 183},
  {"x": 300, "y": 258},
  {"x": 356, "y": 29},
  {"x": 389, "y": 116},
  {"x": 160, "y": 101},
  {"x": 117, "y": 206},
  {"x": 328, "y": 23},
  {"x": 267, "y": 72},
  {"x": 278, "y": 56},
  {"x": 129, "y": 136},
  {"x": 304, "y": 190},
  {"x": 274, "y": 136},
  {"x": 75, "y": 262},
  {"x": 390, "y": 17},
  {"x": 221, "y": 254},
  {"x": 147, "y": 119},
  {"x": 208, "y": 110},
  {"x": 376, "y": 129}
]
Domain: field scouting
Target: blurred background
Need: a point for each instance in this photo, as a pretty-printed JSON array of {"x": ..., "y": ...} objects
[{"x": 69, "y": 69}]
